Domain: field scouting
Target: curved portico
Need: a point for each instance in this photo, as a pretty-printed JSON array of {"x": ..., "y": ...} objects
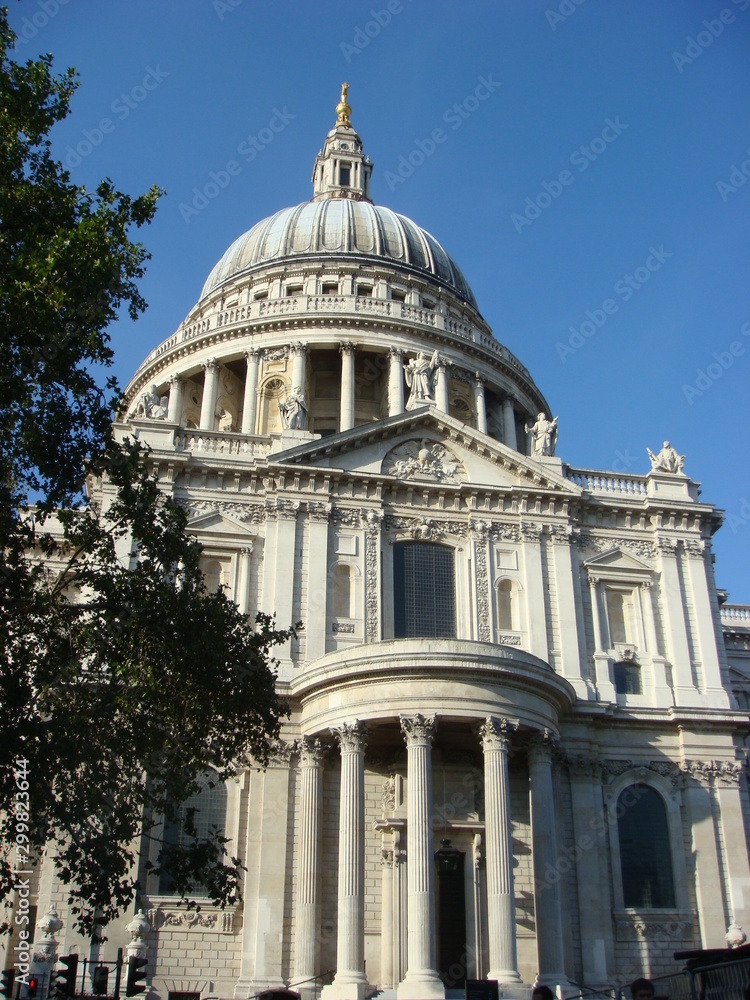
[{"x": 402, "y": 697}]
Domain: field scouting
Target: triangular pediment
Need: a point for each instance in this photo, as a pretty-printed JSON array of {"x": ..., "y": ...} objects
[
  {"x": 618, "y": 561},
  {"x": 427, "y": 446},
  {"x": 217, "y": 524}
]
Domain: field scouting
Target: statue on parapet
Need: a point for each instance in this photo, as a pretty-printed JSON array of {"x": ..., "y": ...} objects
[
  {"x": 152, "y": 405},
  {"x": 420, "y": 378},
  {"x": 667, "y": 460},
  {"x": 543, "y": 436},
  {"x": 294, "y": 411}
]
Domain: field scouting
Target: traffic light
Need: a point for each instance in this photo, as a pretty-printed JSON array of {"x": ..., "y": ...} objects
[
  {"x": 7, "y": 979},
  {"x": 32, "y": 987},
  {"x": 100, "y": 980},
  {"x": 136, "y": 982},
  {"x": 64, "y": 980}
]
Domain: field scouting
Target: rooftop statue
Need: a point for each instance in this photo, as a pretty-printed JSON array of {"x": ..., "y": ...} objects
[
  {"x": 543, "y": 436},
  {"x": 667, "y": 460}
]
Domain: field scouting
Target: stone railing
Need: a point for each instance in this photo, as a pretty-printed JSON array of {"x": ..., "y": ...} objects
[
  {"x": 735, "y": 614},
  {"x": 610, "y": 483},
  {"x": 221, "y": 443},
  {"x": 300, "y": 305}
]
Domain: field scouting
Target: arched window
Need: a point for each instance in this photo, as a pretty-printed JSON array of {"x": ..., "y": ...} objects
[
  {"x": 202, "y": 815},
  {"x": 342, "y": 592},
  {"x": 645, "y": 854},
  {"x": 424, "y": 591},
  {"x": 212, "y": 574},
  {"x": 506, "y": 610},
  {"x": 273, "y": 391}
]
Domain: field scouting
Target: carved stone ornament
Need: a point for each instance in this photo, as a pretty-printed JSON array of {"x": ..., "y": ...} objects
[
  {"x": 152, "y": 406},
  {"x": 343, "y": 628},
  {"x": 656, "y": 927},
  {"x": 218, "y": 920},
  {"x": 283, "y": 509},
  {"x": 708, "y": 772},
  {"x": 602, "y": 543},
  {"x": 389, "y": 794},
  {"x": 531, "y": 531},
  {"x": 425, "y": 461},
  {"x": 45, "y": 950},
  {"x": 505, "y": 532},
  {"x": 372, "y": 583},
  {"x": 310, "y": 751},
  {"x": 138, "y": 928},
  {"x": 665, "y": 768},
  {"x": 252, "y": 513},
  {"x": 317, "y": 511},
  {"x": 495, "y": 733},
  {"x": 351, "y": 736},
  {"x": 418, "y": 729},
  {"x": 507, "y": 639}
]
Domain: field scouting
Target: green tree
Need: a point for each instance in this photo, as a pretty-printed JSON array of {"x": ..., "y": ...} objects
[{"x": 121, "y": 679}]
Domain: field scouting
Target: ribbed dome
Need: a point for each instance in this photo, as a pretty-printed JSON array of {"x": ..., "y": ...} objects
[{"x": 334, "y": 227}]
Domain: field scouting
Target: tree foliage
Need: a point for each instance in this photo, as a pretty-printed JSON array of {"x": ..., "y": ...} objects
[{"x": 121, "y": 679}]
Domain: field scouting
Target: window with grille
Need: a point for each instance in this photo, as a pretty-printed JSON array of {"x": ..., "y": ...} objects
[
  {"x": 628, "y": 678},
  {"x": 424, "y": 591},
  {"x": 645, "y": 853},
  {"x": 208, "y": 807}
]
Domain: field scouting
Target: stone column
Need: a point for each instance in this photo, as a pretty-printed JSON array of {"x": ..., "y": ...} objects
[
  {"x": 299, "y": 366},
  {"x": 713, "y": 920},
  {"x": 314, "y": 614},
  {"x": 501, "y": 911},
  {"x": 592, "y": 873},
  {"x": 480, "y": 405},
  {"x": 549, "y": 937},
  {"x": 422, "y": 981},
  {"x": 509, "y": 424},
  {"x": 441, "y": 387},
  {"x": 350, "y": 982},
  {"x": 395, "y": 381},
  {"x": 251, "y": 391},
  {"x": 346, "y": 420},
  {"x": 661, "y": 691},
  {"x": 536, "y": 585},
  {"x": 308, "y": 864},
  {"x": 176, "y": 395},
  {"x": 386, "y": 917},
  {"x": 208, "y": 403},
  {"x": 604, "y": 685},
  {"x": 703, "y": 621},
  {"x": 243, "y": 597},
  {"x": 735, "y": 850},
  {"x": 673, "y": 608}
]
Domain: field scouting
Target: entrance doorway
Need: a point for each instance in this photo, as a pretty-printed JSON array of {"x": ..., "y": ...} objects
[{"x": 451, "y": 916}]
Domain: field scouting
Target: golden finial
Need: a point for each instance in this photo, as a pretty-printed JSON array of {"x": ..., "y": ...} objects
[{"x": 342, "y": 108}]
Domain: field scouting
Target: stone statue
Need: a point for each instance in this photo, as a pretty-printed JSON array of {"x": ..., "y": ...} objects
[
  {"x": 667, "y": 460},
  {"x": 543, "y": 436},
  {"x": 420, "y": 378},
  {"x": 294, "y": 411},
  {"x": 225, "y": 421},
  {"x": 153, "y": 406}
]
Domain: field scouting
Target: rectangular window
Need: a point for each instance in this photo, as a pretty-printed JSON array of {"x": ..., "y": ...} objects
[
  {"x": 397, "y": 295},
  {"x": 364, "y": 291},
  {"x": 330, "y": 289},
  {"x": 294, "y": 289},
  {"x": 424, "y": 591},
  {"x": 261, "y": 295},
  {"x": 345, "y": 175}
]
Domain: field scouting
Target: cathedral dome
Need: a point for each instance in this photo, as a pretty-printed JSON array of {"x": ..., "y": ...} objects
[{"x": 338, "y": 226}]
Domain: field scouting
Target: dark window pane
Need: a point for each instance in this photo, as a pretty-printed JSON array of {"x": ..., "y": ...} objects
[
  {"x": 645, "y": 855},
  {"x": 424, "y": 591},
  {"x": 628, "y": 678}
]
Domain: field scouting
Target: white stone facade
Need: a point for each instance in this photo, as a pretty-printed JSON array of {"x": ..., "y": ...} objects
[{"x": 574, "y": 669}]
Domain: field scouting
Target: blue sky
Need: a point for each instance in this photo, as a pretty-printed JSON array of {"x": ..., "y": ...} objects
[{"x": 592, "y": 189}]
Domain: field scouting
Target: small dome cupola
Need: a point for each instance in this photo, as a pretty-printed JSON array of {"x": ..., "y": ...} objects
[{"x": 341, "y": 169}]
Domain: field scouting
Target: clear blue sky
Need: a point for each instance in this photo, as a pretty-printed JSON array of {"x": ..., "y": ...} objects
[{"x": 642, "y": 103}]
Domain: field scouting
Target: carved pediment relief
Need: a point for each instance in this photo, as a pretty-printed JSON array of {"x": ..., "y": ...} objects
[{"x": 422, "y": 460}]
